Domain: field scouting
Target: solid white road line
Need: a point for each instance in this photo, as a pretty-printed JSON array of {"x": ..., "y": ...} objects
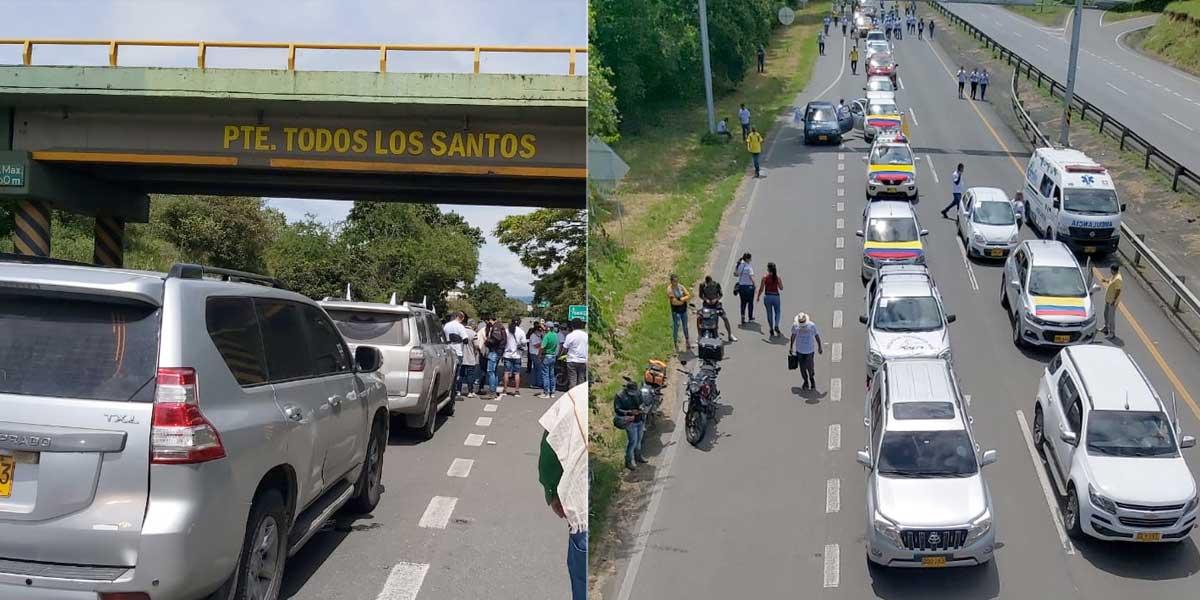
[
  {"x": 1177, "y": 122},
  {"x": 1051, "y": 502},
  {"x": 835, "y": 437},
  {"x": 839, "y": 264},
  {"x": 835, "y": 353},
  {"x": 483, "y": 422},
  {"x": 835, "y": 389},
  {"x": 832, "y": 568},
  {"x": 490, "y": 407},
  {"x": 837, "y": 319},
  {"x": 837, "y": 289},
  {"x": 1044, "y": 49},
  {"x": 437, "y": 514},
  {"x": 967, "y": 263},
  {"x": 840, "y": 223},
  {"x": 914, "y": 116},
  {"x": 403, "y": 582},
  {"x": 461, "y": 467},
  {"x": 929, "y": 161},
  {"x": 841, "y": 206},
  {"x": 1116, "y": 88},
  {"x": 474, "y": 439},
  {"x": 833, "y": 495}
]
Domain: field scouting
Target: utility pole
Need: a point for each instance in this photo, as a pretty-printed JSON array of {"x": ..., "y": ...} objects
[
  {"x": 1071, "y": 67},
  {"x": 708, "y": 95}
]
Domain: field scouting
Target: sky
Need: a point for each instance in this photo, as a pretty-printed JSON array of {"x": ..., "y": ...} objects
[{"x": 470, "y": 22}]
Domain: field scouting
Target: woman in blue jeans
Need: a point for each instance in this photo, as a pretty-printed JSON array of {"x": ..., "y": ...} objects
[{"x": 768, "y": 292}]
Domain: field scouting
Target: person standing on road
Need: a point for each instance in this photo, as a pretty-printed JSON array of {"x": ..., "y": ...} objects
[
  {"x": 768, "y": 292},
  {"x": 826, "y": 23},
  {"x": 513, "y": 349},
  {"x": 710, "y": 294},
  {"x": 820, "y": 43},
  {"x": 854, "y": 60},
  {"x": 678, "y": 297},
  {"x": 962, "y": 80},
  {"x": 481, "y": 353},
  {"x": 754, "y": 146},
  {"x": 497, "y": 342},
  {"x": 920, "y": 29},
  {"x": 744, "y": 119},
  {"x": 974, "y": 79},
  {"x": 804, "y": 342},
  {"x": 984, "y": 79},
  {"x": 956, "y": 189},
  {"x": 534, "y": 371},
  {"x": 576, "y": 347},
  {"x": 563, "y": 473},
  {"x": 457, "y": 334},
  {"x": 762, "y": 59},
  {"x": 1112, "y": 295},
  {"x": 1018, "y": 203},
  {"x": 843, "y": 28},
  {"x": 549, "y": 360},
  {"x": 744, "y": 288}
]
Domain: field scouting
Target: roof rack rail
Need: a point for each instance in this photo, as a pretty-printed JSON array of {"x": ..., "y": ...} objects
[
  {"x": 193, "y": 271},
  {"x": 43, "y": 260}
]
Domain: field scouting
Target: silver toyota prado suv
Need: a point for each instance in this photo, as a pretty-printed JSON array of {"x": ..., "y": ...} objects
[{"x": 173, "y": 436}]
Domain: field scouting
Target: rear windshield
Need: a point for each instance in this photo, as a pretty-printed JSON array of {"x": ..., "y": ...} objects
[
  {"x": 372, "y": 328},
  {"x": 77, "y": 347}
]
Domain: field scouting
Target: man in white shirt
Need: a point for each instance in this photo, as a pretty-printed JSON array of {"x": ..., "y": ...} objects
[
  {"x": 744, "y": 119},
  {"x": 457, "y": 333},
  {"x": 513, "y": 350},
  {"x": 956, "y": 190},
  {"x": 744, "y": 287},
  {"x": 576, "y": 347}
]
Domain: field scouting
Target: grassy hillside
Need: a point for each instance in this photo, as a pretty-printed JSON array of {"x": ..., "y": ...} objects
[{"x": 1175, "y": 39}]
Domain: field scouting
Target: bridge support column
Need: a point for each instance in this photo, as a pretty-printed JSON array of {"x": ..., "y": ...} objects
[
  {"x": 31, "y": 234},
  {"x": 109, "y": 248}
]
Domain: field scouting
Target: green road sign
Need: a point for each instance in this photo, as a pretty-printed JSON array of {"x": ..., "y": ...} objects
[
  {"x": 543, "y": 304},
  {"x": 577, "y": 311}
]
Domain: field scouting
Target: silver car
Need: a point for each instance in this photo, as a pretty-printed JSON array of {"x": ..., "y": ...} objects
[
  {"x": 418, "y": 363},
  {"x": 927, "y": 502},
  {"x": 174, "y": 435},
  {"x": 987, "y": 223},
  {"x": 905, "y": 317}
]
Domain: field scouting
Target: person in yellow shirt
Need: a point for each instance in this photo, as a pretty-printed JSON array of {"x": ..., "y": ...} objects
[
  {"x": 854, "y": 59},
  {"x": 678, "y": 296},
  {"x": 1112, "y": 295},
  {"x": 754, "y": 145}
]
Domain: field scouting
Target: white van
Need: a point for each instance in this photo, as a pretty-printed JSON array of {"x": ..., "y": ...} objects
[{"x": 1071, "y": 198}]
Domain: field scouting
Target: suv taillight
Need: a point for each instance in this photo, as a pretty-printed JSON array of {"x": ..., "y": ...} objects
[
  {"x": 179, "y": 433},
  {"x": 416, "y": 360}
]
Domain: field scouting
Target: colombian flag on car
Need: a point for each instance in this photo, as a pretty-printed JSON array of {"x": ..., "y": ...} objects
[
  {"x": 891, "y": 174},
  {"x": 893, "y": 250},
  {"x": 884, "y": 122},
  {"x": 1058, "y": 306}
]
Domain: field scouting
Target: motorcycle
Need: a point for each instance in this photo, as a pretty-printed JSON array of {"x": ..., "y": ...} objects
[{"x": 702, "y": 399}]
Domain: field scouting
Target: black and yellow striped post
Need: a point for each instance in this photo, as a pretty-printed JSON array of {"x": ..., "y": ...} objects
[
  {"x": 31, "y": 236},
  {"x": 109, "y": 249}
]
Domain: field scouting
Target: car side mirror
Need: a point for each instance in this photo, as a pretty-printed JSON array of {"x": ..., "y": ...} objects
[
  {"x": 1069, "y": 437},
  {"x": 989, "y": 457},
  {"x": 950, "y": 318},
  {"x": 859, "y": 233},
  {"x": 862, "y": 319},
  {"x": 1187, "y": 441},
  {"x": 368, "y": 359},
  {"x": 1056, "y": 204},
  {"x": 924, "y": 232},
  {"x": 864, "y": 458},
  {"x": 1122, "y": 207}
]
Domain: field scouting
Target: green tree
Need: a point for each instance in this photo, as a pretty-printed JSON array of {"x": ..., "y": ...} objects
[
  {"x": 220, "y": 231},
  {"x": 307, "y": 258},
  {"x": 489, "y": 298},
  {"x": 552, "y": 243},
  {"x": 463, "y": 304},
  {"x": 603, "y": 117}
]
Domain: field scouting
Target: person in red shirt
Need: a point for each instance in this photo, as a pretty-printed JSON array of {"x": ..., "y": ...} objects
[{"x": 769, "y": 287}]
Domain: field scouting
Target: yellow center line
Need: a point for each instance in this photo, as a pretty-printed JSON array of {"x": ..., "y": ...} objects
[{"x": 1133, "y": 323}]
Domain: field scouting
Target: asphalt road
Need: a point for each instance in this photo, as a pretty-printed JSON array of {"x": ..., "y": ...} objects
[
  {"x": 751, "y": 514},
  {"x": 497, "y": 540},
  {"x": 1157, "y": 101}
]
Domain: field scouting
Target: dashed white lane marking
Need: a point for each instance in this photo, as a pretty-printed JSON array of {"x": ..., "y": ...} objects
[
  {"x": 839, "y": 264},
  {"x": 914, "y": 116},
  {"x": 841, "y": 206},
  {"x": 837, "y": 289},
  {"x": 403, "y": 582},
  {"x": 841, "y": 179},
  {"x": 841, "y": 156},
  {"x": 835, "y": 354},
  {"x": 839, "y": 242},
  {"x": 1044, "y": 49},
  {"x": 841, "y": 166},
  {"x": 1116, "y": 88},
  {"x": 833, "y": 495},
  {"x": 837, "y": 319},
  {"x": 832, "y": 567},
  {"x": 1051, "y": 503},
  {"x": 490, "y": 407},
  {"x": 483, "y": 422},
  {"x": 474, "y": 439},
  {"x": 461, "y": 467},
  {"x": 1015, "y": 33},
  {"x": 933, "y": 171},
  {"x": 835, "y": 389},
  {"x": 840, "y": 223},
  {"x": 967, "y": 397},
  {"x": 1177, "y": 122},
  {"x": 841, "y": 192},
  {"x": 835, "y": 437},
  {"x": 967, "y": 263},
  {"x": 437, "y": 514}
]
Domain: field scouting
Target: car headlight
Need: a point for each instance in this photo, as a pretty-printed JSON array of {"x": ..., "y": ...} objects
[
  {"x": 1191, "y": 504},
  {"x": 944, "y": 354},
  {"x": 1088, "y": 322},
  {"x": 887, "y": 529},
  {"x": 873, "y": 178},
  {"x": 979, "y": 527},
  {"x": 867, "y": 260},
  {"x": 979, "y": 239},
  {"x": 1100, "y": 501},
  {"x": 920, "y": 259},
  {"x": 1037, "y": 321},
  {"x": 874, "y": 359}
]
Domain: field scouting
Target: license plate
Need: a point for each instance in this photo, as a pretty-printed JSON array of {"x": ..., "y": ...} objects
[
  {"x": 891, "y": 190},
  {"x": 8, "y": 471},
  {"x": 1062, "y": 339},
  {"x": 822, "y": 137},
  {"x": 1089, "y": 249},
  {"x": 996, "y": 252},
  {"x": 933, "y": 561},
  {"x": 1148, "y": 536}
]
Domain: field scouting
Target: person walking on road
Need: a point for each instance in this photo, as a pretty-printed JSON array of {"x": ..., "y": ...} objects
[
  {"x": 754, "y": 143},
  {"x": 744, "y": 288},
  {"x": 1112, "y": 295},
  {"x": 826, "y": 23},
  {"x": 744, "y": 119},
  {"x": 563, "y": 474},
  {"x": 931, "y": 28},
  {"x": 820, "y": 43},
  {"x": 678, "y": 297},
  {"x": 514, "y": 347},
  {"x": 549, "y": 360},
  {"x": 956, "y": 189},
  {"x": 1018, "y": 203},
  {"x": 984, "y": 79},
  {"x": 921, "y": 29},
  {"x": 710, "y": 294},
  {"x": 576, "y": 347},
  {"x": 843, "y": 29},
  {"x": 974, "y": 79},
  {"x": 768, "y": 292},
  {"x": 962, "y": 80},
  {"x": 854, "y": 60},
  {"x": 762, "y": 59},
  {"x": 804, "y": 342},
  {"x": 470, "y": 362}
]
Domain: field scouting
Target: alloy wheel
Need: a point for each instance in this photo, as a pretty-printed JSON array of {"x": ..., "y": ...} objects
[{"x": 266, "y": 562}]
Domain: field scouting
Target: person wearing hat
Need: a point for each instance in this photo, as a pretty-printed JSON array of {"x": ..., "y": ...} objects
[{"x": 805, "y": 341}]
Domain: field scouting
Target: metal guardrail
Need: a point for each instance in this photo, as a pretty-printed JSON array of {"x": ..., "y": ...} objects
[
  {"x": 202, "y": 47},
  {"x": 1182, "y": 294}
]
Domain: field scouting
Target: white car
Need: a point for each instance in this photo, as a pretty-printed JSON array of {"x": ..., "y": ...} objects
[
  {"x": 891, "y": 236},
  {"x": 1113, "y": 446},
  {"x": 987, "y": 223},
  {"x": 1047, "y": 296},
  {"x": 879, "y": 83},
  {"x": 905, "y": 317}
]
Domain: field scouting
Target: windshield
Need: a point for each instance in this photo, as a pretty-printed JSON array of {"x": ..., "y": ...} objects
[
  {"x": 994, "y": 213},
  {"x": 1090, "y": 201},
  {"x": 881, "y": 60},
  {"x": 916, "y": 313},
  {"x": 880, "y": 84},
  {"x": 1057, "y": 281},
  {"x": 1130, "y": 433},
  {"x": 369, "y": 327},
  {"x": 883, "y": 109},
  {"x": 891, "y": 155},
  {"x": 891, "y": 230},
  {"x": 927, "y": 454},
  {"x": 821, "y": 115}
]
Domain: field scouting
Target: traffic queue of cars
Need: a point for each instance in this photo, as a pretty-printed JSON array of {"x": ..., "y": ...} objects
[{"x": 1113, "y": 446}]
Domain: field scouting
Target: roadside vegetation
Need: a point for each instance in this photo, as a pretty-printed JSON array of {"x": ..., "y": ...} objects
[
  {"x": 1175, "y": 38},
  {"x": 665, "y": 215},
  {"x": 1050, "y": 13}
]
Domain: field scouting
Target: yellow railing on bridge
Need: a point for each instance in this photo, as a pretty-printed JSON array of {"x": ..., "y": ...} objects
[{"x": 202, "y": 47}]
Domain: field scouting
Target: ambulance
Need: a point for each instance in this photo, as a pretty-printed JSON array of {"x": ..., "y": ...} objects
[{"x": 1071, "y": 198}]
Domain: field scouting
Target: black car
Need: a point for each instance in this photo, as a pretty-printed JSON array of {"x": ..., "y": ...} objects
[{"x": 822, "y": 123}]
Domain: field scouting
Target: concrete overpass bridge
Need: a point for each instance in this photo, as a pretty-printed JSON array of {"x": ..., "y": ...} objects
[{"x": 99, "y": 140}]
